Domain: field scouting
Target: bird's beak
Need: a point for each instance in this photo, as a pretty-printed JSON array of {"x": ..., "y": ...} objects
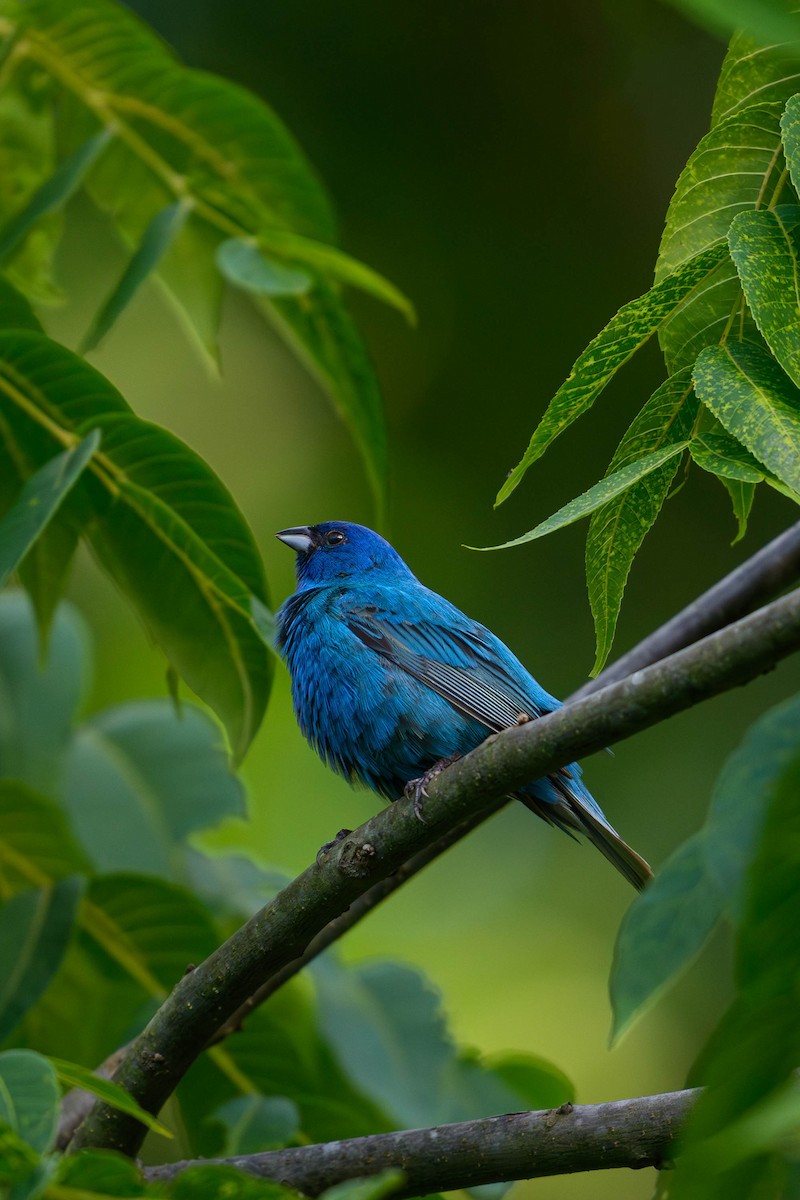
[{"x": 298, "y": 539}]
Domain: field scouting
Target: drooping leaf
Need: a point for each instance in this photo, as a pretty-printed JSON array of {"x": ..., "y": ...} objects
[
  {"x": 72, "y": 1075},
  {"x": 754, "y": 400},
  {"x": 256, "y": 1123},
  {"x": 54, "y": 192},
  {"x": 156, "y": 240},
  {"x": 737, "y": 166},
  {"x": 138, "y": 779},
  {"x": 163, "y": 525},
  {"x": 38, "y": 502},
  {"x": 29, "y": 1097},
  {"x": 765, "y": 246},
  {"x": 632, "y": 326},
  {"x": 742, "y": 496},
  {"x": 663, "y": 931},
  {"x": 602, "y": 493},
  {"x": 722, "y": 455},
  {"x": 38, "y": 700},
  {"x": 617, "y": 529},
  {"x": 35, "y": 927}
]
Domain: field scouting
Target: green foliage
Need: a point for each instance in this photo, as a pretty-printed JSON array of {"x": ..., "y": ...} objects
[
  {"x": 726, "y": 306},
  {"x": 29, "y": 1097},
  {"x": 198, "y": 177},
  {"x": 367, "y": 1050}
]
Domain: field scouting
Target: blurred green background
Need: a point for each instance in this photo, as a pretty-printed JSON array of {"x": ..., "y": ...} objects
[{"x": 509, "y": 166}]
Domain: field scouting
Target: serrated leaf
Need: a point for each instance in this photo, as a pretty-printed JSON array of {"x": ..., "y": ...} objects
[
  {"x": 162, "y": 524},
  {"x": 38, "y": 699},
  {"x": 54, "y": 192},
  {"x": 35, "y": 928},
  {"x": 156, "y": 240},
  {"x": 754, "y": 74},
  {"x": 602, "y": 493},
  {"x": 29, "y": 1097},
  {"x": 754, "y": 400},
  {"x": 632, "y": 326},
  {"x": 742, "y": 496},
  {"x": 765, "y": 246},
  {"x": 722, "y": 455},
  {"x": 737, "y": 166},
  {"x": 617, "y": 529},
  {"x": 72, "y": 1075},
  {"x": 663, "y": 932},
  {"x": 138, "y": 779},
  {"x": 38, "y": 502}
]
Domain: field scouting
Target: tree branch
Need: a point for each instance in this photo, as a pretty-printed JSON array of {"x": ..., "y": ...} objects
[
  {"x": 761, "y": 577},
  {"x": 281, "y": 931},
  {"x": 589, "y": 1137}
]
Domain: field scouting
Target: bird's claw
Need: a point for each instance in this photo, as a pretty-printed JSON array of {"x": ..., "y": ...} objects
[
  {"x": 323, "y": 850},
  {"x": 417, "y": 789}
]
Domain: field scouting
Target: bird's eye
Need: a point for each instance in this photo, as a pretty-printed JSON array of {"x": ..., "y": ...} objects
[{"x": 334, "y": 538}]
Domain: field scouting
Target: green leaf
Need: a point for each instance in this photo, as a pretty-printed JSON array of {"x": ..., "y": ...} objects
[
  {"x": 742, "y": 496},
  {"x": 385, "y": 1023},
  {"x": 375, "y": 1187},
  {"x": 768, "y": 20},
  {"x": 156, "y": 240},
  {"x": 755, "y": 74},
  {"x": 218, "y": 1181},
  {"x": 243, "y": 264},
  {"x": 36, "y": 843},
  {"x": 71, "y": 1075},
  {"x": 35, "y": 927},
  {"x": 325, "y": 337},
  {"x": 38, "y": 700},
  {"x": 29, "y": 1097},
  {"x": 617, "y": 529},
  {"x": 138, "y": 779},
  {"x": 751, "y": 1057},
  {"x": 54, "y": 192},
  {"x": 750, "y": 395},
  {"x": 151, "y": 929},
  {"x": 722, "y": 455},
  {"x": 38, "y": 502},
  {"x": 602, "y": 493},
  {"x": 538, "y": 1083},
  {"x": 663, "y": 932},
  {"x": 18, "y": 1160},
  {"x": 737, "y": 166},
  {"x": 15, "y": 311},
  {"x": 621, "y": 338},
  {"x": 163, "y": 525},
  {"x": 100, "y": 1173},
  {"x": 765, "y": 246},
  {"x": 256, "y": 1123},
  {"x": 336, "y": 266}
]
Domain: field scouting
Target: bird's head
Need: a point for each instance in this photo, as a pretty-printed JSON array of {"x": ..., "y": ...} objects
[{"x": 335, "y": 551}]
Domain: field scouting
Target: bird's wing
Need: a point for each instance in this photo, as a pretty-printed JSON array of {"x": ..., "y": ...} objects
[{"x": 458, "y": 659}]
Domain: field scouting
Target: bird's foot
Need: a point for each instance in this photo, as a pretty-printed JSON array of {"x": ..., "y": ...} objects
[
  {"x": 418, "y": 788},
  {"x": 323, "y": 850}
]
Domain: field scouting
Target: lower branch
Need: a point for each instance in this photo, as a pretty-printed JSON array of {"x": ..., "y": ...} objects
[
  {"x": 589, "y": 1137},
  {"x": 280, "y": 932}
]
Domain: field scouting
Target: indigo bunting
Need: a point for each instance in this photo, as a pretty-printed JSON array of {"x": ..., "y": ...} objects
[{"x": 390, "y": 680}]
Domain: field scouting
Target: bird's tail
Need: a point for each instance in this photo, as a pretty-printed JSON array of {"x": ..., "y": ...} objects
[{"x": 572, "y": 808}]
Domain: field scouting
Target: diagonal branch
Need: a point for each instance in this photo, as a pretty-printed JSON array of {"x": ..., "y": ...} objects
[
  {"x": 279, "y": 933},
  {"x": 589, "y": 1137}
]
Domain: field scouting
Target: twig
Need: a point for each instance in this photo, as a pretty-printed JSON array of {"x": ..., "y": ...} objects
[
  {"x": 768, "y": 572},
  {"x": 281, "y": 931},
  {"x": 775, "y": 567},
  {"x": 589, "y": 1137}
]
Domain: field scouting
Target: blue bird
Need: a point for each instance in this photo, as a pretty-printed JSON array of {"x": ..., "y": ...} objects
[{"x": 390, "y": 680}]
